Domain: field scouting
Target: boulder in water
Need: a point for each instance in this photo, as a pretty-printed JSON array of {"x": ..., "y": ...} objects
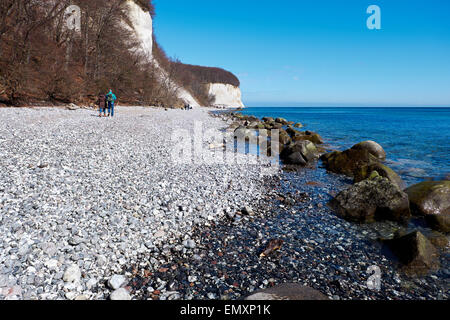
[
  {"x": 281, "y": 121},
  {"x": 268, "y": 119},
  {"x": 431, "y": 199},
  {"x": 284, "y": 137},
  {"x": 307, "y": 136},
  {"x": 374, "y": 149},
  {"x": 363, "y": 172},
  {"x": 347, "y": 162},
  {"x": 415, "y": 252},
  {"x": 299, "y": 153},
  {"x": 372, "y": 199}
]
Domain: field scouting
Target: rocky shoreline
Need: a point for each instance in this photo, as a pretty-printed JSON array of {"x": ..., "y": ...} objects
[
  {"x": 69, "y": 232},
  {"x": 316, "y": 248}
]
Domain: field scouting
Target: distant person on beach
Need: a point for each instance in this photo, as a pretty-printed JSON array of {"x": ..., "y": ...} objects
[
  {"x": 101, "y": 102},
  {"x": 187, "y": 106},
  {"x": 110, "y": 99}
]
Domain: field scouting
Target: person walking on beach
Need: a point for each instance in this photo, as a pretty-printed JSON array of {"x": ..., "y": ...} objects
[
  {"x": 101, "y": 102},
  {"x": 110, "y": 99}
]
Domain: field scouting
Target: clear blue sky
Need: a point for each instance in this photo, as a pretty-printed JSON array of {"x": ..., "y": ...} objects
[{"x": 316, "y": 52}]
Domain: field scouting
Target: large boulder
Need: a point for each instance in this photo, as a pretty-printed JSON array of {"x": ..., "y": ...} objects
[
  {"x": 272, "y": 125},
  {"x": 348, "y": 161},
  {"x": 243, "y": 131},
  {"x": 415, "y": 252},
  {"x": 281, "y": 121},
  {"x": 292, "y": 132},
  {"x": 288, "y": 291},
  {"x": 374, "y": 148},
  {"x": 308, "y": 136},
  {"x": 364, "y": 172},
  {"x": 299, "y": 153},
  {"x": 431, "y": 199},
  {"x": 372, "y": 199},
  {"x": 284, "y": 137}
]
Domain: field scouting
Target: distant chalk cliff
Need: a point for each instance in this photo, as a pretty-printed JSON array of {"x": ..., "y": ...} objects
[{"x": 223, "y": 94}]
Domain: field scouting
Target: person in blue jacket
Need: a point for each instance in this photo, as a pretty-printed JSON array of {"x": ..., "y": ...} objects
[{"x": 111, "y": 99}]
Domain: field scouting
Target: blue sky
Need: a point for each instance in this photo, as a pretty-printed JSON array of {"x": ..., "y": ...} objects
[{"x": 304, "y": 52}]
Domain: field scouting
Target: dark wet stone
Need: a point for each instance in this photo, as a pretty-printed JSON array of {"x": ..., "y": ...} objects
[
  {"x": 370, "y": 200},
  {"x": 416, "y": 252},
  {"x": 365, "y": 171},
  {"x": 288, "y": 291},
  {"x": 374, "y": 148},
  {"x": 432, "y": 200}
]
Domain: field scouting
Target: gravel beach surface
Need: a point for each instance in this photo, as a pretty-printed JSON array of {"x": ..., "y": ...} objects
[
  {"x": 82, "y": 197},
  {"x": 95, "y": 208}
]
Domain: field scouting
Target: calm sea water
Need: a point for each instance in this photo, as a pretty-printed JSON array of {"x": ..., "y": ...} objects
[{"x": 417, "y": 140}]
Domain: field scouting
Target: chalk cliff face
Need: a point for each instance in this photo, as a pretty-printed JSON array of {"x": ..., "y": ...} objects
[
  {"x": 226, "y": 95},
  {"x": 142, "y": 25}
]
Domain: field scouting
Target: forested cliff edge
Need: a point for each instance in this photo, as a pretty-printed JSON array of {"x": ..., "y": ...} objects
[{"x": 42, "y": 60}]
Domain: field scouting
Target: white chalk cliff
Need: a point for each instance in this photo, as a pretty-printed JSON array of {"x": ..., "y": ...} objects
[
  {"x": 142, "y": 25},
  {"x": 226, "y": 95}
]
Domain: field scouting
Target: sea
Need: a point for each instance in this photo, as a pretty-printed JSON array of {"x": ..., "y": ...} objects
[{"x": 416, "y": 140}]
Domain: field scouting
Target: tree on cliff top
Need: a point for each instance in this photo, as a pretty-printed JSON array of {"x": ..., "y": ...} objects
[{"x": 41, "y": 59}]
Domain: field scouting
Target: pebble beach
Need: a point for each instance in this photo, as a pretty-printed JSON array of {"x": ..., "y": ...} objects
[
  {"x": 95, "y": 195},
  {"x": 95, "y": 208}
]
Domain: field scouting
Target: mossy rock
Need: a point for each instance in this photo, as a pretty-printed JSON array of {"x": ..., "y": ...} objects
[
  {"x": 298, "y": 125},
  {"x": 348, "y": 161},
  {"x": 299, "y": 153},
  {"x": 268, "y": 119},
  {"x": 302, "y": 136},
  {"x": 416, "y": 253},
  {"x": 281, "y": 121},
  {"x": 374, "y": 148},
  {"x": 313, "y": 137},
  {"x": 437, "y": 239},
  {"x": 372, "y": 200},
  {"x": 363, "y": 172},
  {"x": 285, "y": 138},
  {"x": 292, "y": 132},
  {"x": 432, "y": 200}
]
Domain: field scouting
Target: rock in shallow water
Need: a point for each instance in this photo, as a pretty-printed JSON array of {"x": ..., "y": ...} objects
[
  {"x": 416, "y": 252},
  {"x": 432, "y": 200},
  {"x": 374, "y": 149},
  {"x": 365, "y": 171},
  {"x": 372, "y": 199},
  {"x": 299, "y": 153},
  {"x": 348, "y": 161}
]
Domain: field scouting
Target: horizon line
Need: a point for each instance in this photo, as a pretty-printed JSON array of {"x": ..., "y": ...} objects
[{"x": 270, "y": 104}]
